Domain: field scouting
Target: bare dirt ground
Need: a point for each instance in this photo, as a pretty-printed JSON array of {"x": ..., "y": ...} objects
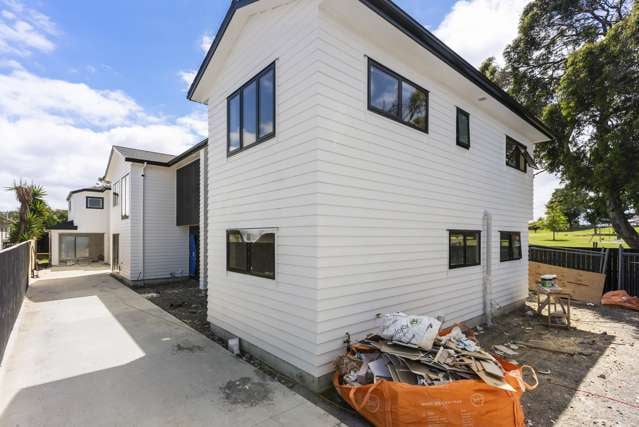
[{"x": 598, "y": 384}]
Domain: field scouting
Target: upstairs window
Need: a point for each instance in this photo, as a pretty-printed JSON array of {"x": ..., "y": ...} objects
[
  {"x": 463, "y": 128},
  {"x": 251, "y": 112},
  {"x": 115, "y": 194},
  {"x": 517, "y": 155},
  {"x": 251, "y": 251},
  {"x": 464, "y": 248},
  {"x": 95, "y": 202},
  {"x": 125, "y": 197},
  {"x": 509, "y": 245},
  {"x": 396, "y": 98}
]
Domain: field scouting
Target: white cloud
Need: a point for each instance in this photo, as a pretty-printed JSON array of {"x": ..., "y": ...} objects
[
  {"x": 23, "y": 30},
  {"x": 206, "y": 41},
  {"x": 545, "y": 184},
  {"x": 58, "y": 134},
  {"x": 477, "y": 29},
  {"x": 187, "y": 77}
]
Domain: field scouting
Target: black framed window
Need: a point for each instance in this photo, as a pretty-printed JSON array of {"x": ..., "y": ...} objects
[
  {"x": 509, "y": 245},
  {"x": 115, "y": 193},
  {"x": 251, "y": 112},
  {"x": 397, "y": 98},
  {"x": 94, "y": 202},
  {"x": 125, "y": 187},
  {"x": 516, "y": 154},
  {"x": 464, "y": 248},
  {"x": 463, "y": 128},
  {"x": 251, "y": 252}
]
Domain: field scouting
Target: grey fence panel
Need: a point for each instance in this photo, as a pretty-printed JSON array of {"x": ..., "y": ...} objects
[
  {"x": 630, "y": 273},
  {"x": 14, "y": 279},
  {"x": 593, "y": 259}
]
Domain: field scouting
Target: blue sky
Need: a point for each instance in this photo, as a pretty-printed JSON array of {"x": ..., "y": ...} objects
[
  {"x": 140, "y": 46},
  {"x": 79, "y": 76}
]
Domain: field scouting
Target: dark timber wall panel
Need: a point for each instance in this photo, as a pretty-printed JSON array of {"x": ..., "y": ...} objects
[
  {"x": 14, "y": 278},
  {"x": 188, "y": 194}
]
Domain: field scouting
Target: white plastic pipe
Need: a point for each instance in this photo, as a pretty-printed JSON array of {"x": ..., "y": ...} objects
[{"x": 487, "y": 282}]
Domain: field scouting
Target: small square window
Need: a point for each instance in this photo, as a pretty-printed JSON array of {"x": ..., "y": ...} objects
[
  {"x": 517, "y": 155},
  {"x": 464, "y": 248},
  {"x": 509, "y": 245},
  {"x": 95, "y": 202},
  {"x": 463, "y": 128},
  {"x": 251, "y": 251}
]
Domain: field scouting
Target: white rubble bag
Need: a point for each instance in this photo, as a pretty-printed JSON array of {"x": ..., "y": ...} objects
[{"x": 419, "y": 331}]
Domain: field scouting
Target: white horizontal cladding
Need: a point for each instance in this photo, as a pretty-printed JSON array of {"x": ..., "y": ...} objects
[
  {"x": 166, "y": 246},
  {"x": 118, "y": 169},
  {"x": 389, "y": 194},
  {"x": 272, "y": 185},
  {"x": 89, "y": 220}
]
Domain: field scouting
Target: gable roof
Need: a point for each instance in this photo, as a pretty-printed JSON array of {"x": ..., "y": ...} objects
[
  {"x": 144, "y": 155},
  {"x": 135, "y": 155},
  {"x": 169, "y": 160},
  {"x": 401, "y": 20}
]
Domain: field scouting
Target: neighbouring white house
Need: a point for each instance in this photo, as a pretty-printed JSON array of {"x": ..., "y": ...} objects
[
  {"x": 145, "y": 218},
  {"x": 356, "y": 166},
  {"x": 85, "y": 236},
  {"x": 4, "y": 229}
]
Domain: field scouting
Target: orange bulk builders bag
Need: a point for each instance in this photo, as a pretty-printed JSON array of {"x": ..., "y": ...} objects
[{"x": 468, "y": 403}]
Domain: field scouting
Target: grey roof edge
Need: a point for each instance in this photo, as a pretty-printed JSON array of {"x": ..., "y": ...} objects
[
  {"x": 64, "y": 225},
  {"x": 88, "y": 189},
  {"x": 397, "y": 17},
  {"x": 195, "y": 148}
]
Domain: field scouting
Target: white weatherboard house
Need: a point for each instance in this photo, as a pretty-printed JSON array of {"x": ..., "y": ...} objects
[
  {"x": 360, "y": 167},
  {"x": 146, "y": 217}
]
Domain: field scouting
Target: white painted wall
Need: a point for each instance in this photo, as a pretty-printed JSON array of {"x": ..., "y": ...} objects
[
  {"x": 273, "y": 184},
  {"x": 362, "y": 204},
  {"x": 388, "y": 195},
  {"x": 117, "y": 225},
  {"x": 166, "y": 246},
  {"x": 90, "y": 220}
]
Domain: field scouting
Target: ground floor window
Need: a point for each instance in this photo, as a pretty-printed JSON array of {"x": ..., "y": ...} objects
[
  {"x": 509, "y": 245},
  {"x": 75, "y": 247},
  {"x": 251, "y": 251},
  {"x": 464, "y": 248}
]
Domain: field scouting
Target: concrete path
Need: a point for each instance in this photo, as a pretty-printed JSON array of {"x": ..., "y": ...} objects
[{"x": 88, "y": 351}]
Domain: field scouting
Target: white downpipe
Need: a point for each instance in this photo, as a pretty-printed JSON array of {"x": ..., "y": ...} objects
[
  {"x": 487, "y": 282},
  {"x": 143, "y": 222}
]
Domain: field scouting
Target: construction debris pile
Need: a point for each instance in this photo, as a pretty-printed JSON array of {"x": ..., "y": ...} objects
[{"x": 410, "y": 350}]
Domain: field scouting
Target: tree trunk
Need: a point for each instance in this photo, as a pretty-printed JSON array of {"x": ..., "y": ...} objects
[
  {"x": 553, "y": 235},
  {"x": 620, "y": 223}
]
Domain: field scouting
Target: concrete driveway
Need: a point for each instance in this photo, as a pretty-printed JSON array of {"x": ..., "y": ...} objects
[{"x": 88, "y": 351}]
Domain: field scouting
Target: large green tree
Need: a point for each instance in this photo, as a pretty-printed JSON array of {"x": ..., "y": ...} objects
[
  {"x": 575, "y": 63},
  {"x": 572, "y": 201},
  {"x": 555, "y": 219}
]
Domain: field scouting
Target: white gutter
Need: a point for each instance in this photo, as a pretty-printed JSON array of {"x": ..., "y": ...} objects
[
  {"x": 487, "y": 282},
  {"x": 143, "y": 222}
]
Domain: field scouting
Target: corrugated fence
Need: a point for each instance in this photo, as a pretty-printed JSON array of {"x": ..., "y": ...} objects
[
  {"x": 15, "y": 265},
  {"x": 621, "y": 266}
]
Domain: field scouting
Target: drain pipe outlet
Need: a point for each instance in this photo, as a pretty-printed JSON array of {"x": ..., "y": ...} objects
[{"x": 487, "y": 282}]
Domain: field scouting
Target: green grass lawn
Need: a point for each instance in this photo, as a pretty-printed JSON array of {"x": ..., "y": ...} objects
[{"x": 576, "y": 239}]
